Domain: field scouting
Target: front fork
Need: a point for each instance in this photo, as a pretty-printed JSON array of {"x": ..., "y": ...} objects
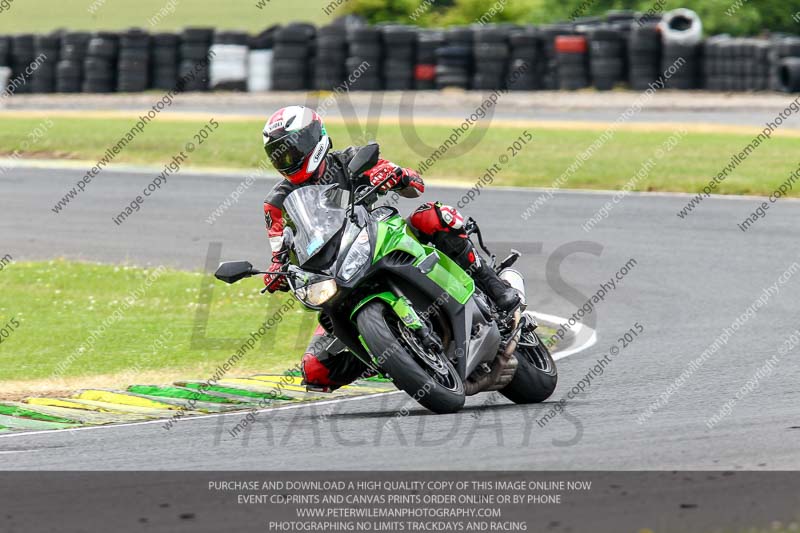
[{"x": 429, "y": 339}]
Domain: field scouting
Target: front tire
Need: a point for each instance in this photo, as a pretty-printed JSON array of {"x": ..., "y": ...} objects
[
  {"x": 536, "y": 377},
  {"x": 431, "y": 379}
]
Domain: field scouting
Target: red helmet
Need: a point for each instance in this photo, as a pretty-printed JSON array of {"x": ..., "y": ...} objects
[{"x": 296, "y": 142}]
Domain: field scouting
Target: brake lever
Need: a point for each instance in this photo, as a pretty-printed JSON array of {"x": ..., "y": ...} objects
[
  {"x": 286, "y": 273},
  {"x": 374, "y": 189},
  {"x": 291, "y": 275}
]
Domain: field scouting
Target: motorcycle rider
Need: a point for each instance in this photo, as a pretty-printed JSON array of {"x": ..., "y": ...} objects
[{"x": 298, "y": 146}]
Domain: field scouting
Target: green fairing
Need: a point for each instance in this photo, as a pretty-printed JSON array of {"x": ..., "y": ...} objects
[
  {"x": 394, "y": 234},
  {"x": 400, "y": 306},
  {"x": 407, "y": 314}
]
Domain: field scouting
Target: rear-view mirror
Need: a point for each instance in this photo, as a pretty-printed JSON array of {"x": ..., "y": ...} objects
[
  {"x": 233, "y": 271},
  {"x": 365, "y": 159}
]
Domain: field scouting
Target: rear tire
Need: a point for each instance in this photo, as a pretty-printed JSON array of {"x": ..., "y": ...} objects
[
  {"x": 387, "y": 338},
  {"x": 536, "y": 376}
]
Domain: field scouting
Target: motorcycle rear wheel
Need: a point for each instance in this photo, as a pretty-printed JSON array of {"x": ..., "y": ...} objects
[
  {"x": 536, "y": 377},
  {"x": 429, "y": 378}
]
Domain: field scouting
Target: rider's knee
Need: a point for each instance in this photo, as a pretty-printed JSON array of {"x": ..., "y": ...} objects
[
  {"x": 314, "y": 372},
  {"x": 433, "y": 218}
]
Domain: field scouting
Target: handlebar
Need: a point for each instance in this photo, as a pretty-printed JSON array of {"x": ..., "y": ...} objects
[
  {"x": 471, "y": 227},
  {"x": 366, "y": 195},
  {"x": 293, "y": 273}
]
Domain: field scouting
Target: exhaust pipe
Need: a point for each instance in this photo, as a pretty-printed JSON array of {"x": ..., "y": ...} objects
[{"x": 489, "y": 380}]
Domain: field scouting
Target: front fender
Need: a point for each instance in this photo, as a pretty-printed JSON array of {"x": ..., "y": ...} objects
[{"x": 401, "y": 307}]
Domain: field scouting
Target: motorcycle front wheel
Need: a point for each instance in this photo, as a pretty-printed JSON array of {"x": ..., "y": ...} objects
[{"x": 428, "y": 377}]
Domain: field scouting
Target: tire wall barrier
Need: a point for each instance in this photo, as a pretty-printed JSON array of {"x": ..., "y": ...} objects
[
  {"x": 229, "y": 65},
  {"x": 365, "y": 47},
  {"x": 621, "y": 49},
  {"x": 5, "y": 76},
  {"x": 193, "y": 53}
]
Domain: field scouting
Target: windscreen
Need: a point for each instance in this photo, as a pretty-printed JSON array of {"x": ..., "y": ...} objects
[{"x": 318, "y": 213}]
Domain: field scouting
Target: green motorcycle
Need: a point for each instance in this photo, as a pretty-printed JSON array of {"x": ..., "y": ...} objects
[{"x": 404, "y": 308}]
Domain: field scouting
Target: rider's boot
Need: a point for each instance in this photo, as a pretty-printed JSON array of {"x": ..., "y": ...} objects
[{"x": 505, "y": 298}]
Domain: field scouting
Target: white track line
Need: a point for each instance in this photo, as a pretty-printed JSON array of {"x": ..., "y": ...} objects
[
  {"x": 579, "y": 329},
  {"x": 588, "y": 343},
  {"x": 17, "y": 451}
]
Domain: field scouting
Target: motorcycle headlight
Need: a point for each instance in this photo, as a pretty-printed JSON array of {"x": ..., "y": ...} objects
[
  {"x": 317, "y": 294},
  {"x": 356, "y": 257}
]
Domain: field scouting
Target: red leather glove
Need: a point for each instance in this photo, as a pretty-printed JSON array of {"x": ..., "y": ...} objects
[
  {"x": 276, "y": 282},
  {"x": 280, "y": 256},
  {"x": 383, "y": 170}
]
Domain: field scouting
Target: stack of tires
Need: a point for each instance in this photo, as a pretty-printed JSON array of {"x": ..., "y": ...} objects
[
  {"x": 193, "y": 70},
  {"x": 46, "y": 49},
  {"x": 644, "y": 55},
  {"x": 228, "y": 70},
  {"x": 365, "y": 56},
  {"x": 259, "y": 61},
  {"x": 715, "y": 63},
  {"x": 164, "y": 61},
  {"x": 623, "y": 21},
  {"x": 292, "y": 57},
  {"x": 524, "y": 59},
  {"x": 100, "y": 65},
  {"x": 607, "y": 57},
  {"x": 69, "y": 70},
  {"x": 400, "y": 46},
  {"x": 491, "y": 51},
  {"x": 5, "y": 78},
  {"x": 736, "y": 64},
  {"x": 22, "y": 56},
  {"x": 5, "y": 69},
  {"x": 590, "y": 50},
  {"x": 789, "y": 74},
  {"x": 680, "y": 64},
  {"x": 760, "y": 69},
  {"x": 782, "y": 59},
  {"x": 573, "y": 63},
  {"x": 133, "y": 67},
  {"x": 428, "y": 41},
  {"x": 681, "y": 33},
  {"x": 329, "y": 64},
  {"x": 549, "y": 59},
  {"x": 5, "y": 50},
  {"x": 454, "y": 59}
]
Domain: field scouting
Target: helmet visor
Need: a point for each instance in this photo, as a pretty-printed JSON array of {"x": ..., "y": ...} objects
[{"x": 288, "y": 153}]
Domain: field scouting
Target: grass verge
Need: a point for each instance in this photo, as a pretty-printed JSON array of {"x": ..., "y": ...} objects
[
  {"x": 85, "y": 323},
  {"x": 166, "y": 15},
  {"x": 687, "y": 168}
]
